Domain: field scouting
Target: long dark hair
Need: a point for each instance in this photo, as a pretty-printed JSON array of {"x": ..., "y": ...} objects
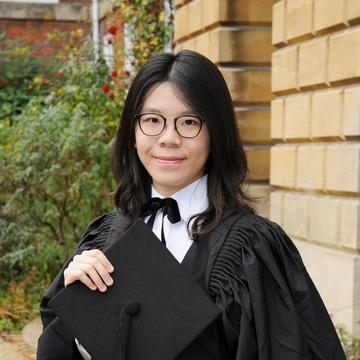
[{"x": 203, "y": 88}]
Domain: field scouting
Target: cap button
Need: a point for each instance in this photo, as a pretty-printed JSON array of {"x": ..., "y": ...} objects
[{"x": 132, "y": 307}]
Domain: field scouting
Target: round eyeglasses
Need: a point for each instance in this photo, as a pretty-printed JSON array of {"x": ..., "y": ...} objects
[{"x": 187, "y": 126}]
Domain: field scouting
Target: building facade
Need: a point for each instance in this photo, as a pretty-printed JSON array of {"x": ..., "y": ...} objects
[{"x": 293, "y": 69}]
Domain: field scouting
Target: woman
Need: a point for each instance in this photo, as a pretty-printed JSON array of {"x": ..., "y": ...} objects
[{"x": 178, "y": 139}]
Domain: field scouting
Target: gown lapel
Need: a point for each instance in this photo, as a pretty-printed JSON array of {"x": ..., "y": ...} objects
[{"x": 195, "y": 260}]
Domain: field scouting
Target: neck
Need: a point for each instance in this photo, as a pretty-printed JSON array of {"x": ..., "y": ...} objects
[{"x": 169, "y": 191}]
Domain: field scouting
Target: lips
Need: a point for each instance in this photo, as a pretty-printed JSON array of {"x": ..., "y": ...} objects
[{"x": 169, "y": 159}]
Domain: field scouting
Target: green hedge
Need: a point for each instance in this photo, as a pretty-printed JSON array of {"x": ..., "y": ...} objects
[
  {"x": 55, "y": 178},
  {"x": 54, "y": 154}
]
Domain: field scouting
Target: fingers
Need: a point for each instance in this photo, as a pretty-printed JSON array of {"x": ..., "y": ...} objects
[
  {"x": 102, "y": 258},
  {"x": 92, "y": 268},
  {"x": 89, "y": 270},
  {"x": 71, "y": 275}
]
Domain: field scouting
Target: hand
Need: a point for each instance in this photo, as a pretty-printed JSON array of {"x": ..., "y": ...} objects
[{"x": 92, "y": 268}]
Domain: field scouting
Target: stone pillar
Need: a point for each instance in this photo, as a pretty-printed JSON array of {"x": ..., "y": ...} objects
[
  {"x": 315, "y": 163},
  {"x": 236, "y": 35}
]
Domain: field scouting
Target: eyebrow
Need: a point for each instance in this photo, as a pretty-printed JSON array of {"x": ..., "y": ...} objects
[{"x": 186, "y": 112}]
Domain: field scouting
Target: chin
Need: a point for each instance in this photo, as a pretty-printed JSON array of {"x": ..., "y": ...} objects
[{"x": 171, "y": 184}]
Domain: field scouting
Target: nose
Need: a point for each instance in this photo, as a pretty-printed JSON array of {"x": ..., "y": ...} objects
[{"x": 169, "y": 136}]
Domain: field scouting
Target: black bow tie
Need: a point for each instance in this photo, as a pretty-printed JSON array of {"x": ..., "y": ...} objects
[{"x": 170, "y": 208}]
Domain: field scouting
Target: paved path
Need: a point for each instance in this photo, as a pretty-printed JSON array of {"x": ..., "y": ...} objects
[
  {"x": 10, "y": 351},
  {"x": 21, "y": 346}
]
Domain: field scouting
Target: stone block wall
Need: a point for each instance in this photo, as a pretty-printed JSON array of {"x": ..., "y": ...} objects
[
  {"x": 304, "y": 150},
  {"x": 236, "y": 35},
  {"x": 315, "y": 161}
]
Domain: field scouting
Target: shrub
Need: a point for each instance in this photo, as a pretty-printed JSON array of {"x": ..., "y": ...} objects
[
  {"x": 55, "y": 167},
  {"x": 55, "y": 177},
  {"x": 56, "y": 172},
  {"x": 23, "y": 76},
  {"x": 350, "y": 344}
]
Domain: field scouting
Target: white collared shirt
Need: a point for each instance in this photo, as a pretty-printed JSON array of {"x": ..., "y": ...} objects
[{"x": 192, "y": 199}]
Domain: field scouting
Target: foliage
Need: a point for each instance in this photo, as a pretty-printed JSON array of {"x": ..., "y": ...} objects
[
  {"x": 350, "y": 344},
  {"x": 55, "y": 175},
  {"x": 57, "y": 169},
  {"x": 23, "y": 76},
  {"x": 54, "y": 160},
  {"x": 150, "y": 27},
  {"x": 19, "y": 304}
]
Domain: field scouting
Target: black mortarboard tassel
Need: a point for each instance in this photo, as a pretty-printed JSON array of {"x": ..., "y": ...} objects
[{"x": 129, "y": 310}]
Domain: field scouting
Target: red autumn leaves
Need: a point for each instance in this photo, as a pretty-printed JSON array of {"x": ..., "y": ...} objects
[
  {"x": 112, "y": 30},
  {"x": 113, "y": 74},
  {"x": 105, "y": 88}
]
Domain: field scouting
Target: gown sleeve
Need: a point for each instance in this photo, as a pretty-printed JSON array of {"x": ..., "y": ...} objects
[
  {"x": 56, "y": 341},
  {"x": 271, "y": 308}
]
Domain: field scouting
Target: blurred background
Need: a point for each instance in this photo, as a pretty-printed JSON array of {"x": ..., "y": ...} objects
[{"x": 293, "y": 69}]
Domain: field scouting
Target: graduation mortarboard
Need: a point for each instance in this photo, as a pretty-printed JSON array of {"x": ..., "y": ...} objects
[{"x": 153, "y": 311}]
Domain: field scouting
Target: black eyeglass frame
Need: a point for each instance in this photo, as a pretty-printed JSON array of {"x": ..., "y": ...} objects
[{"x": 138, "y": 116}]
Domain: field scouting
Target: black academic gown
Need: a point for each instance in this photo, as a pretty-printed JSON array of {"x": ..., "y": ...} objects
[{"x": 252, "y": 271}]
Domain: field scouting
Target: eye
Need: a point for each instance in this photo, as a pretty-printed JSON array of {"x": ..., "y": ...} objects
[
  {"x": 190, "y": 122},
  {"x": 150, "y": 119}
]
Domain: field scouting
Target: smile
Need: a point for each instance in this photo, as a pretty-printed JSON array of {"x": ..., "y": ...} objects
[{"x": 169, "y": 160}]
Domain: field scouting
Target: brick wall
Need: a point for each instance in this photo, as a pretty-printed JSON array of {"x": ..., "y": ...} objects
[
  {"x": 236, "y": 35},
  {"x": 315, "y": 163},
  {"x": 34, "y": 33},
  {"x": 31, "y": 23}
]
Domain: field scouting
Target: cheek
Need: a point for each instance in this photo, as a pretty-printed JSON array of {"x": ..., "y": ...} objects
[
  {"x": 140, "y": 141},
  {"x": 142, "y": 145},
  {"x": 205, "y": 148},
  {"x": 136, "y": 136}
]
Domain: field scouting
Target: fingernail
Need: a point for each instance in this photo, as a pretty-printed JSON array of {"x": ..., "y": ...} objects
[
  {"x": 110, "y": 282},
  {"x": 103, "y": 288},
  {"x": 110, "y": 269}
]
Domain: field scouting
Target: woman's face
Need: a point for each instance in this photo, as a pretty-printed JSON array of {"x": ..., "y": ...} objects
[{"x": 172, "y": 161}]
